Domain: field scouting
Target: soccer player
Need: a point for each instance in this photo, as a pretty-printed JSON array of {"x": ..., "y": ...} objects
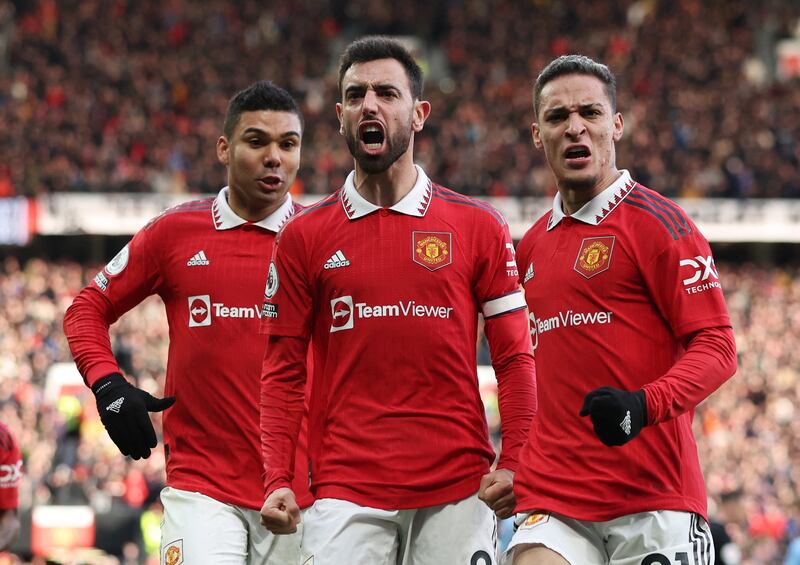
[
  {"x": 10, "y": 474},
  {"x": 630, "y": 332},
  {"x": 387, "y": 277},
  {"x": 206, "y": 260}
]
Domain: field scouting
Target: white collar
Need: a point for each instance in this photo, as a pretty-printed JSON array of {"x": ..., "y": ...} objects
[
  {"x": 225, "y": 218},
  {"x": 415, "y": 203},
  {"x": 599, "y": 207}
]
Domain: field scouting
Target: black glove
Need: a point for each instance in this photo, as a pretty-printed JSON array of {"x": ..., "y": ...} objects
[
  {"x": 617, "y": 415},
  {"x": 123, "y": 410}
]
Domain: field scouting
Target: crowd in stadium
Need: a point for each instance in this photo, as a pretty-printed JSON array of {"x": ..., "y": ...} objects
[
  {"x": 747, "y": 431},
  {"x": 127, "y": 96}
]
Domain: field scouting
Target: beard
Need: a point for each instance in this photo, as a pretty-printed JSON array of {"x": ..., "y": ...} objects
[{"x": 396, "y": 146}]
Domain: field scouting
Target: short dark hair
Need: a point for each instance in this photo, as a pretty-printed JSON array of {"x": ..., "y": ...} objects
[
  {"x": 580, "y": 65},
  {"x": 261, "y": 95},
  {"x": 374, "y": 47}
]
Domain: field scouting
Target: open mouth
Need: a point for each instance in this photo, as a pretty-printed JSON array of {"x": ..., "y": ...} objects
[
  {"x": 270, "y": 181},
  {"x": 372, "y": 136},
  {"x": 578, "y": 152}
]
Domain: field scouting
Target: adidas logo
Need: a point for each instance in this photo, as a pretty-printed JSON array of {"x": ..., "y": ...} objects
[
  {"x": 199, "y": 260},
  {"x": 626, "y": 423},
  {"x": 337, "y": 260},
  {"x": 116, "y": 405},
  {"x": 528, "y": 274}
]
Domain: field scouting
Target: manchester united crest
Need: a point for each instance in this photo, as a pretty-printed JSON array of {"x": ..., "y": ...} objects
[
  {"x": 173, "y": 553},
  {"x": 535, "y": 519},
  {"x": 432, "y": 250},
  {"x": 594, "y": 255}
]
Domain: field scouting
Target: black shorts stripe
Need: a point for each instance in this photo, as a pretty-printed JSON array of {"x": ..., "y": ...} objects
[
  {"x": 708, "y": 543},
  {"x": 667, "y": 224},
  {"x": 661, "y": 203},
  {"x": 693, "y": 539},
  {"x": 701, "y": 541}
]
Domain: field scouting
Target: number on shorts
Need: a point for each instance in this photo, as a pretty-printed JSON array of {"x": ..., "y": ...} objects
[
  {"x": 480, "y": 558},
  {"x": 681, "y": 558}
]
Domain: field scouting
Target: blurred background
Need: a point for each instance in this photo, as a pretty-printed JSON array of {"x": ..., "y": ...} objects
[{"x": 110, "y": 109}]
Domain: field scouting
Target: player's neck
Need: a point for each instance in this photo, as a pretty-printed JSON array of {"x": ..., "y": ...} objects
[
  {"x": 573, "y": 198},
  {"x": 389, "y": 187},
  {"x": 248, "y": 211}
]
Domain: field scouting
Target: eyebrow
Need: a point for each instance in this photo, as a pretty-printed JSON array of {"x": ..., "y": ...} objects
[
  {"x": 364, "y": 86},
  {"x": 587, "y": 106},
  {"x": 260, "y": 131}
]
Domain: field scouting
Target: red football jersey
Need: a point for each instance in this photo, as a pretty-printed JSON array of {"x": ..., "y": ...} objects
[
  {"x": 207, "y": 265},
  {"x": 390, "y": 299},
  {"x": 613, "y": 292},
  {"x": 10, "y": 469}
]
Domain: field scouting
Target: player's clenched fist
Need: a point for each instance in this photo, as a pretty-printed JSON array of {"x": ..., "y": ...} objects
[
  {"x": 280, "y": 513},
  {"x": 497, "y": 491}
]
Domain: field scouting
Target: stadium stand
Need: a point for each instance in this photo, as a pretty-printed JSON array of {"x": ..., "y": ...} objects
[{"x": 126, "y": 96}]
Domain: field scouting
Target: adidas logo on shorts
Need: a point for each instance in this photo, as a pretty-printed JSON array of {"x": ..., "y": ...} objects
[
  {"x": 199, "y": 260},
  {"x": 337, "y": 260}
]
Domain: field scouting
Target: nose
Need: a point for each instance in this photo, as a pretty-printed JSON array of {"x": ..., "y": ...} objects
[
  {"x": 575, "y": 125},
  {"x": 370, "y": 105},
  {"x": 272, "y": 156}
]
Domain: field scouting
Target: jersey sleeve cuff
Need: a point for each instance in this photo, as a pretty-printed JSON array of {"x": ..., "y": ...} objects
[
  {"x": 271, "y": 485},
  {"x": 507, "y": 463},
  {"x": 99, "y": 371}
]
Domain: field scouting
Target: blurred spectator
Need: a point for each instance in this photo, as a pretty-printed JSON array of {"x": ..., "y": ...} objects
[
  {"x": 68, "y": 457},
  {"x": 10, "y": 473},
  {"x": 125, "y": 96},
  {"x": 747, "y": 432}
]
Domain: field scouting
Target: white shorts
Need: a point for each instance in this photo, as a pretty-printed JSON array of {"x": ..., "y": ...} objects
[
  {"x": 662, "y": 537},
  {"x": 197, "y": 529},
  {"x": 337, "y": 532}
]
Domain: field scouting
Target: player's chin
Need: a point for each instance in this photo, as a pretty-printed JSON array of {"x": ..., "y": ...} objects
[{"x": 579, "y": 179}]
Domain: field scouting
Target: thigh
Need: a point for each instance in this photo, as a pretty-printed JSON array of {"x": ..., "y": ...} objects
[
  {"x": 571, "y": 539},
  {"x": 337, "y": 532},
  {"x": 197, "y": 529},
  {"x": 266, "y": 548},
  {"x": 461, "y": 533},
  {"x": 663, "y": 537}
]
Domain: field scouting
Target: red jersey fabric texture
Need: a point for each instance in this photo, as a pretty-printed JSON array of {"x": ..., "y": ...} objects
[
  {"x": 390, "y": 299},
  {"x": 207, "y": 265},
  {"x": 615, "y": 294},
  {"x": 10, "y": 469}
]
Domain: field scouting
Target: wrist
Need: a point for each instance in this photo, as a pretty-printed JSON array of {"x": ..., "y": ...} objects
[
  {"x": 108, "y": 382},
  {"x": 642, "y": 400}
]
